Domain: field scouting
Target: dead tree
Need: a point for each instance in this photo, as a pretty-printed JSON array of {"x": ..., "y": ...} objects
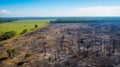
[
  {"x": 81, "y": 41},
  {"x": 97, "y": 54},
  {"x": 109, "y": 53},
  {"x": 61, "y": 42},
  {"x": 58, "y": 54},
  {"x": 98, "y": 45},
  {"x": 88, "y": 46},
  {"x": 101, "y": 44},
  {"x": 55, "y": 56},
  {"x": 43, "y": 43},
  {"x": 70, "y": 46},
  {"x": 78, "y": 45},
  {"x": 113, "y": 45}
]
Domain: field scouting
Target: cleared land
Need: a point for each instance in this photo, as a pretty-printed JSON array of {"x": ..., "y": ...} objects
[
  {"x": 20, "y": 25},
  {"x": 64, "y": 45},
  {"x": 90, "y": 44}
]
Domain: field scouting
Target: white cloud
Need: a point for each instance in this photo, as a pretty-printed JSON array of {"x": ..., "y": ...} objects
[
  {"x": 84, "y": 11},
  {"x": 5, "y": 12},
  {"x": 95, "y": 11}
]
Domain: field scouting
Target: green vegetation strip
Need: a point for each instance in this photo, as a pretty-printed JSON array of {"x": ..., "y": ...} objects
[{"x": 20, "y": 25}]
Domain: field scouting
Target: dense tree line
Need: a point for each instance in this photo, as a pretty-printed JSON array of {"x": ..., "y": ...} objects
[
  {"x": 87, "y": 20},
  {"x": 2, "y": 20},
  {"x": 10, "y": 19}
]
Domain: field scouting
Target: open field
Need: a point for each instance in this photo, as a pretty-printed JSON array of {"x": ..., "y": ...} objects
[{"x": 20, "y": 25}]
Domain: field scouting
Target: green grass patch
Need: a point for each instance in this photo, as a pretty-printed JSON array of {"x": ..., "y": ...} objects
[{"x": 20, "y": 25}]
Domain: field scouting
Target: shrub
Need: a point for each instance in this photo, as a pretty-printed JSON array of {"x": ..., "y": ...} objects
[
  {"x": 36, "y": 26},
  {"x": 28, "y": 55},
  {"x": 24, "y": 31},
  {"x": 7, "y": 35},
  {"x": 10, "y": 52}
]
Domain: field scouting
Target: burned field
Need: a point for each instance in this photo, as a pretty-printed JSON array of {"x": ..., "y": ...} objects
[{"x": 65, "y": 45}]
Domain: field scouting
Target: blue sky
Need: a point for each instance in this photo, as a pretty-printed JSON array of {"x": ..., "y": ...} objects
[{"x": 44, "y": 8}]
